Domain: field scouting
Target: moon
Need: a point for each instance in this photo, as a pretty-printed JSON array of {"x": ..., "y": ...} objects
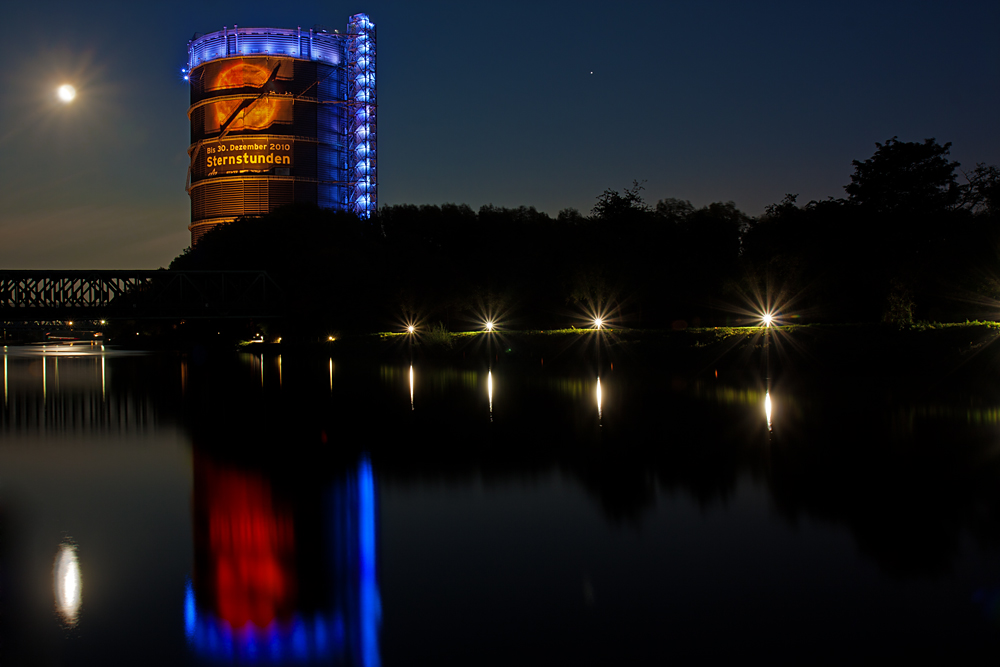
[{"x": 66, "y": 93}]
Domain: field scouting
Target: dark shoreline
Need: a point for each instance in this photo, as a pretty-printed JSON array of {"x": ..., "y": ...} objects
[
  {"x": 925, "y": 356},
  {"x": 930, "y": 355}
]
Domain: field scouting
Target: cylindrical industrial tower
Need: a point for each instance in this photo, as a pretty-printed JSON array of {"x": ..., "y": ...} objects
[{"x": 281, "y": 116}]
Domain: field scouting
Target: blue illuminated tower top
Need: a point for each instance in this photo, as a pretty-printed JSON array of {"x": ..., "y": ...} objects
[{"x": 312, "y": 44}]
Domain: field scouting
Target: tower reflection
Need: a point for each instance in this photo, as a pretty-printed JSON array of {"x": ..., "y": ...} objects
[{"x": 284, "y": 571}]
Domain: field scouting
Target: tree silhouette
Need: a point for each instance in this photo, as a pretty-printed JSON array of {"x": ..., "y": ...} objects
[
  {"x": 614, "y": 204},
  {"x": 904, "y": 243},
  {"x": 905, "y": 177},
  {"x": 981, "y": 193}
]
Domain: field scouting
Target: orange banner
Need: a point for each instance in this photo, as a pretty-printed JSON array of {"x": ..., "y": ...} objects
[{"x": 245, "y": 154}]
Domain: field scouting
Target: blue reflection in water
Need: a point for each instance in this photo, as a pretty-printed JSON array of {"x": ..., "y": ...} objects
[
  {"x": 189, "y": 610},
  {"x": 348, "y": 630},
  {"x": 371, "y": 604}
]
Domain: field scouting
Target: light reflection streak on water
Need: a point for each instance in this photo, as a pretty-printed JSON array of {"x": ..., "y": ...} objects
[
  {"x": 767, "y": 409},
  {"x": 411, "y": 387},
  {"x": 62, "y": 350},
  {"x": 5, "y": 375},
  {"x": 331, "y": 373},
  {"x": 489, "y": 389},
  {"x": 434, "y": 380},
  {"x": 279, "y": 370},
  {"x": 84, "y": 397},
  {"x": 262, "y": 370},
  {"x": 599, "y": 399},
  {"x": 104, "y": 380},
  {"x": 68, "y": 584},
  {"x": 371, "y": 600},
  {"x": 190, "y": 611}
]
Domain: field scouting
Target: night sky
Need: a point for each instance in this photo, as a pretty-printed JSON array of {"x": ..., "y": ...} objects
[{"x": 542, "y": 104}]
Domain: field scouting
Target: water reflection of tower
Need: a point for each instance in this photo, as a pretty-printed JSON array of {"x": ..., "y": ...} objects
[{"x": 284, "y": 571}]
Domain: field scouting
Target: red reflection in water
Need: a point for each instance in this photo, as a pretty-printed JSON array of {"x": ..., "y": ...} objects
[{"x": 251, "y": 547}]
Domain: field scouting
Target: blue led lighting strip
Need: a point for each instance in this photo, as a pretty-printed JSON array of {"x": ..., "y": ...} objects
[
  {"x": 362, "y": 126},
  {"x": 295, "y": 43}
]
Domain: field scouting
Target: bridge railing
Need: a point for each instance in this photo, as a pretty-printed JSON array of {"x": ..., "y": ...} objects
[{"x": 140, "y": 294}]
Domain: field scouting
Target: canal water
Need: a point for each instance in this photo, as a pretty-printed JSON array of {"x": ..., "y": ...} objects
[{"x": 263, "y": 509}]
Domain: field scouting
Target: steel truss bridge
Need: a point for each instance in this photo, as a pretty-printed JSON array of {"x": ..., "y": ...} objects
[{"x": 58, "y": 296}]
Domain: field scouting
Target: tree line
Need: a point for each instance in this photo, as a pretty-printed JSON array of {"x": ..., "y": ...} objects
[{"x": 915, "y": 238}]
